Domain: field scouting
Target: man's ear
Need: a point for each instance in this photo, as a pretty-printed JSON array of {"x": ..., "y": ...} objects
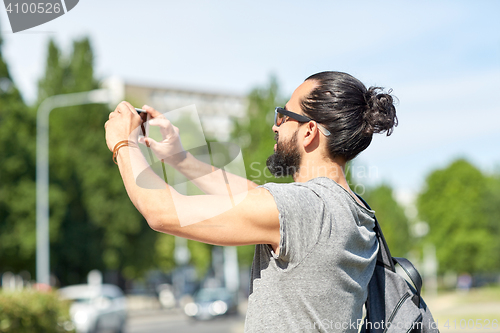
[{"x": 311, "y": 136}]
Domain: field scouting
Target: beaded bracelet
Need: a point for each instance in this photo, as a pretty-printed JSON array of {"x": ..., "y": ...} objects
[{"x": 119, "y": 145}]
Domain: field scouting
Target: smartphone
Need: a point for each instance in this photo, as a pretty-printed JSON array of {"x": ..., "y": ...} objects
[{"x": 145, "y": 125}]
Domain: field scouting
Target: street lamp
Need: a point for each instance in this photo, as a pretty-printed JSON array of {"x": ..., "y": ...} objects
[{"x": 99, "y": 96}]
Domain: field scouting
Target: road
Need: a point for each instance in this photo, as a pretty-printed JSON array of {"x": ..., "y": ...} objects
[{"x": 176, "y": 322}]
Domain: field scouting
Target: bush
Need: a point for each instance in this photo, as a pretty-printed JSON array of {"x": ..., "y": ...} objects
[{"x": 32, "y": 312}]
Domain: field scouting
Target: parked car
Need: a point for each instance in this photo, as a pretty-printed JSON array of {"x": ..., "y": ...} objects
[
  {"x": 211, "y": 302},
  {"x": 96, "y": 308}
]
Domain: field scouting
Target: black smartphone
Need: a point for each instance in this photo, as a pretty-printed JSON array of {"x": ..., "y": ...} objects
[{"x": 145, "y": 118}]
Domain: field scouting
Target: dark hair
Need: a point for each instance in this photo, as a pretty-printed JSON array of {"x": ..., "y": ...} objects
[{"x": 351, "y": 112}]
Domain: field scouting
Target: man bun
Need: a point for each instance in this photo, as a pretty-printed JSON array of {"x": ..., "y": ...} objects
[
  {"x": 351, "y": 113},
  {"x": 380, "y": 115}
]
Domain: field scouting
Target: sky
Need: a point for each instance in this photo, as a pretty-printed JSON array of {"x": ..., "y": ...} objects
[{"x": 441, "y": 60}]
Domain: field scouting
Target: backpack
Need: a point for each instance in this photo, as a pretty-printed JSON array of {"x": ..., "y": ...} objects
[{"x": 393, "y": 304}]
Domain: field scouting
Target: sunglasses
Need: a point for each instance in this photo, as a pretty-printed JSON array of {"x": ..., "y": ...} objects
[{"x": 281, "y": 114}]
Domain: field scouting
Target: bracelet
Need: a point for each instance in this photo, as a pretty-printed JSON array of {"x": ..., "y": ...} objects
[{"x": 119, "y": 145}]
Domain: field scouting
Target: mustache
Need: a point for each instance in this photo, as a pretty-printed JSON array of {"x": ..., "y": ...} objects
[{"x": 276, "y": 137}]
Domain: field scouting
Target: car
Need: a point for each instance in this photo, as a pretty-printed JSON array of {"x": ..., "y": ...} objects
[
  {"x": 209, "y": 303},
  {"x": 96, "y": 308}
]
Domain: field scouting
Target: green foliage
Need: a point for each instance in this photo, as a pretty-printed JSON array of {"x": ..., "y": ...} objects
[
  {"x": 254, "y": 133},
  {"x": 460, "y": 205},
  {"x": 32, "y": 312},
  {"x": 245, "y": 255},
  {"x": 93, "y": 224},
  {"x": 201, "y": 256},
  {"x": 392, "y": 219},
  {"x": 492, "y": 207},
  {"x": 99, "y": 227},
  {"x": 164, "y": 251},
  {"x": 17, "y": 176},
  {"x": 256, "y": 139}
]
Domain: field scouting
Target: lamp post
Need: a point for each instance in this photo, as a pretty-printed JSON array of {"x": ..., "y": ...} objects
[{"x": 99, "y": 96}]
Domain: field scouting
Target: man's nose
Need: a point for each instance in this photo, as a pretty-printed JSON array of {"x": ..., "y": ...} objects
[{"x": 275, "y": 129}]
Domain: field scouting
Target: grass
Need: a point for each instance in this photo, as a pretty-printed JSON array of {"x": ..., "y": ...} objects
[{"x": 459, "y": 311}]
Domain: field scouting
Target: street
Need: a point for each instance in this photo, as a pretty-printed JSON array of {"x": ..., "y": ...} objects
[
  {"x": 455, "y": 312},
  {"x": 175, "y": 321}
]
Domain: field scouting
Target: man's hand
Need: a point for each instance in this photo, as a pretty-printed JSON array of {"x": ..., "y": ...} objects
[
  {"x": 124, "y": 124},
  {"x": 170, "y": 148}
]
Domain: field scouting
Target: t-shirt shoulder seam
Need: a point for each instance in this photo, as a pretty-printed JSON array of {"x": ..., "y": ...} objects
[
  {"x": 313, "y": 246},
  {"x": 344, "y": 191}
]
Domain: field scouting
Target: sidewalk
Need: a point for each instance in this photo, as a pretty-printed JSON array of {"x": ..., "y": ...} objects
[
  {"x": 149, "y": 306},
  {"x": 472, "y": 312}
]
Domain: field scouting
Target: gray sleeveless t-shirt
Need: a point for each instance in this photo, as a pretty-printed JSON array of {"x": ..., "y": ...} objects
[{"x": 327, "y": 253}]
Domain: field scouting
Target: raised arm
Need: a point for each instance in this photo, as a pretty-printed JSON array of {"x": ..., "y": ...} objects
[
  {"x": 209, "y": 179},
  {"x": 250, "y": 218}
]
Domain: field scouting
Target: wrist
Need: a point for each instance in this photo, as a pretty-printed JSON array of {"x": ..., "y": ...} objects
[
  {"x": 121, "y": 144},
  {"x": 177, "y": 160}
]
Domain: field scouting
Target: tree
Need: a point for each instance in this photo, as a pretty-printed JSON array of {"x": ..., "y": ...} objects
[
  {"x": 17, "y": 177},
  {"x": 254, "y": 134},
  {"x": 94, "y": 224},
  {"x": 256, "y": 139},
  {"x": 101, "y": 225},
  {"x": 392, "y": 219},
  {"x": 455, "y": 203}
]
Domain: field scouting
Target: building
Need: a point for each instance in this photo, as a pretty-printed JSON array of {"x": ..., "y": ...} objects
[{"x": 217, "y": 111}]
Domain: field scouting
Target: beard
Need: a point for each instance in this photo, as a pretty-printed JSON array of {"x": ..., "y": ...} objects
[{"x": 286, "y": 159}]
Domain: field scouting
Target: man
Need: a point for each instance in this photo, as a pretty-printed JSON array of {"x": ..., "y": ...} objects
[{"x": 315, "y": 246}]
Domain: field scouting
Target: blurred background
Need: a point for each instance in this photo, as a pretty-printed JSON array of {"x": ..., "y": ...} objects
[{"x": 434, "y": 183}]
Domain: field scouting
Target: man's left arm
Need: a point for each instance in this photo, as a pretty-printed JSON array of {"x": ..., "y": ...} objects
[{"x": 247, "y": 218}]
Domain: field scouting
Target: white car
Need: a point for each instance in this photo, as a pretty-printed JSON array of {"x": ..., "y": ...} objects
[{"x": 96, "y": 308}]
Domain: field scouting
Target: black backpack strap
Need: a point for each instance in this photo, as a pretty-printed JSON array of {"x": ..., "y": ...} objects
[
  {"x": 384, "y": 258},
  {"x": 412, "y": 273},
  {"x": 384, "y": 255}
]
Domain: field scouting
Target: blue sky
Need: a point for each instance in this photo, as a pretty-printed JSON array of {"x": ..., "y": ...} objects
[{"x": 442, "y": 60}]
